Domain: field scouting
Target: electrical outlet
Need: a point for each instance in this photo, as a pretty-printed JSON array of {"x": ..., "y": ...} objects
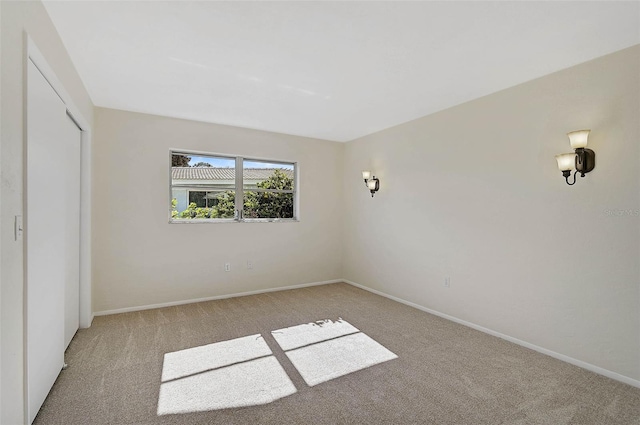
[
  {"x": 249, "y": 264},
  {"x": 447, "y": 282},
  {"x": 227, "y": 267}
]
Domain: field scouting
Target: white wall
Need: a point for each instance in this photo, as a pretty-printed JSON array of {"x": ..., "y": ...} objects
[
  {"x": 140, "y": 259},
  {"x": 16, "y": 19},
  {"x": 474, "y": 193},
  {"x": 0, "y": 218}
]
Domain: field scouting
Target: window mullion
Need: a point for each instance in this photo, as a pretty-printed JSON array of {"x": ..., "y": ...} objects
[{"x": 239, "y": 188}]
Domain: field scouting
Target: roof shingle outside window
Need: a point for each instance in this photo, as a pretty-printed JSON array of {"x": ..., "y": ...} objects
[{"x": 213, "y": 173}]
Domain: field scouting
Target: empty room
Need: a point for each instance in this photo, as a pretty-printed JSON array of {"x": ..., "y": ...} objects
[{"x": 320, "y": 212}]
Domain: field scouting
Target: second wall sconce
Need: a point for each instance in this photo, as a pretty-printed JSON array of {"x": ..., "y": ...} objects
[
  {"x": 373, "y": 184},
  {"x": 582, "y": 160}
]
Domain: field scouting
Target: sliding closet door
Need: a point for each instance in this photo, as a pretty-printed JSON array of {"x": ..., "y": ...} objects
[
  {"x": 70, "y": 150},
  {"x": 52, "y": 235}
]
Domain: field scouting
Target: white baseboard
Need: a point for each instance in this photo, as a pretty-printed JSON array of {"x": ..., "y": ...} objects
[
  {"x": 217, "y": 297},
  {"x": 567, "y": 359},
  {"x": 562, "y": 357}
]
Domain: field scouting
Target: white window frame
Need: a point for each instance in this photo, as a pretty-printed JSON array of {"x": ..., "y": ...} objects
[{"x": 239, "y": 188}]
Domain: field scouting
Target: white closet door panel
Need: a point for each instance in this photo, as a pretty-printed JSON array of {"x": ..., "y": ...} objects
[
  {"x": 70, "y": 150},
  {"x": 45, "y": 237}
]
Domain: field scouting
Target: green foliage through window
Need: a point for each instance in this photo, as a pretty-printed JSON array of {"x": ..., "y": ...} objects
[{"x": 258, "y": 204}]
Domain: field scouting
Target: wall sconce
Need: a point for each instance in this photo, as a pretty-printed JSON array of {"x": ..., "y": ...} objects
[
  {"x": 372, "y": 183},
  {"x": 582, "y": 160}
]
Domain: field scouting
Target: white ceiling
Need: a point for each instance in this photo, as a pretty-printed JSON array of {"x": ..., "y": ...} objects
[{"x": 331, "y": 70}]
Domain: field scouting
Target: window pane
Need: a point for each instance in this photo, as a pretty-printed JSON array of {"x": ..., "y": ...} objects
[
  {"x": 214, "y": 204},
  {"x": 267, "y": 205},
  {"x": 202, "y": 186},
  {"x": 267, "y": 175}
]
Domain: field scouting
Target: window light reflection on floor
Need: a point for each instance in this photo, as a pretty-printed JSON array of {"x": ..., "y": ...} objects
[
  {"x": 244, "y": 372},
  {"x": 327, "y": 350},
  {"x": 235, "y": 373}
]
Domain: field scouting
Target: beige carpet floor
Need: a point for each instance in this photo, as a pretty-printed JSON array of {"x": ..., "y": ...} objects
[{"x": 444, "y": 373}]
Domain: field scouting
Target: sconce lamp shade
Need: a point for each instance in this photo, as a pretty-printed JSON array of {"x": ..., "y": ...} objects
[
  {"x": 566, "y": 161},
  {"x": 578, "y": 139},
  {"x": 373, "y": 184}
]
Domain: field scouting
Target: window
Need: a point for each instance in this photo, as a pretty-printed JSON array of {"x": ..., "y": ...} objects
[
  {"x": 268, "y": 189},
  {"x": 204, "y": 188}
]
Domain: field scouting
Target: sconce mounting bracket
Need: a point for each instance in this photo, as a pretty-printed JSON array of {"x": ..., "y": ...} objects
[{"x": 585, "y": 160}]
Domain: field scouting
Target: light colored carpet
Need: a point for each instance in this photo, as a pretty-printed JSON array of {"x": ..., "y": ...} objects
[{"x": 444, "y": 373}]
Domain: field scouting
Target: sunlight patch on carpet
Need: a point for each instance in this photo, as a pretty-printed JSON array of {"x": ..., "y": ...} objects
[
  {"x": 309, "y": 333},
  {"x": 199, "y": 359},
  {"x": 326, "y": 350},
  {"x": 234, "y": 373},
  {"x": 244, "y": 371}
]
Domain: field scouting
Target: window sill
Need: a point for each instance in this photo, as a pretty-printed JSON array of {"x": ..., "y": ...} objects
[
  {"x": 269, "y": 220},
  {"x": 219, "y": 221}
]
